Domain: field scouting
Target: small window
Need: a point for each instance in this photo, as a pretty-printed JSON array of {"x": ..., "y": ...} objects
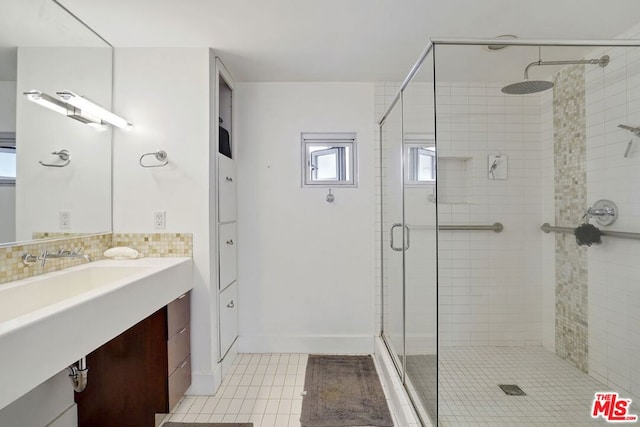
[
  {"x": 7, "y": 158},
  {"x": 420, "y": 158},
  {"x": 329, "y": 159}
]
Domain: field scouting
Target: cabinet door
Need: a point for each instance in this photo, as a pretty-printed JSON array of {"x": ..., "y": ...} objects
[
  {"x": 226, "y": 189},
  {"x": 127, "y": 382},
  {"x": 227, "y": 267},
  {"x": 228, "y": 318}
]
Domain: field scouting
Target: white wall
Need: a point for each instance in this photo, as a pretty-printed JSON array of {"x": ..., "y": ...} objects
[
  {"x": 7, "y": 106},
  {"x": 84, "y": 186},
  {"x": 7, "y": 213},
  {"x": 306, "y": 266},
  {"x": 164, "y": 92}
]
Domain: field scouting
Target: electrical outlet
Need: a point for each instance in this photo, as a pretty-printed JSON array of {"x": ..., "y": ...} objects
[
  {"x": 64, "y": 218},
  {"x": 159, "y": 220}
]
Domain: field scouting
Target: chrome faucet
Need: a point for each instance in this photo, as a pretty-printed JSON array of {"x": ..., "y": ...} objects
[{"x": 28, "y": 259}]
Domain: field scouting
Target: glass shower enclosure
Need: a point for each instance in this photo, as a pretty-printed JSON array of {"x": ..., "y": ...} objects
[{"x": 508, "y": 230}]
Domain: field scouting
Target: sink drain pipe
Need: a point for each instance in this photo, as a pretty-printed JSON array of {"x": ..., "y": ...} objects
[{"x": 78, "y": 375}]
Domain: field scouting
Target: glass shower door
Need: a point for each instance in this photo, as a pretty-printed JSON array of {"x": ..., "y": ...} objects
[{"x": 392, "y": 236}]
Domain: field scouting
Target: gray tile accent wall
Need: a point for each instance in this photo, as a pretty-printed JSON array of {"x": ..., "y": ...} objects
[{"x": 570, "y": 201}]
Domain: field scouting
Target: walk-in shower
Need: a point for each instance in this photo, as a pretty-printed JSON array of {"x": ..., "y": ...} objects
[{"x": 491, "y": 311}]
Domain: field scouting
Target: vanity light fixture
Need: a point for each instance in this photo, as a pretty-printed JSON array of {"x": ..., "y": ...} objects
[
  {"x": 93, "y": 109},
  {"x": 62, "y": 107},
  {"x": 47, "y": 101}
]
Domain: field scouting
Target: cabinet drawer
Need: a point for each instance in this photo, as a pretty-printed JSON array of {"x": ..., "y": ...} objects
[
  {"x": 228, "y": 318},
  {"x": 227, "y": 267},
  {"x": 179, "y": 382},
  {"x": 178, "y": 348},
  {"x": 178, "y": 314},
  {"x": 226, "y": 189}
]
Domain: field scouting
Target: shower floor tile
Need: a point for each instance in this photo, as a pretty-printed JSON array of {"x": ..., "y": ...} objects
[{"x": 557, "y": 394}]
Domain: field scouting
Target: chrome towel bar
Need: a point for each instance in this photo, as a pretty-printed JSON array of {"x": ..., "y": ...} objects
[{"x": 547, "y": 228}]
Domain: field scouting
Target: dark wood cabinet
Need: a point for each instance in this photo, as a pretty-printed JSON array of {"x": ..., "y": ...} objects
[{"x": 131, "y": 378}]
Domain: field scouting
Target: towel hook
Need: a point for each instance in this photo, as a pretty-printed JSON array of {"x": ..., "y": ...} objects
[
  {"x": 160, "y": 156},
  {"x": 63, "y": 155}
]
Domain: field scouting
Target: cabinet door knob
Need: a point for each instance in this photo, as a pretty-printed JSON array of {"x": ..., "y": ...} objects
[
  {"x": 231, "y": 304},
  {"x": 182, "y": 331},
  {"x": 230, "y": 242},
  {"x": 229, "y": 179},
  {"x": 182, "y": 365}
]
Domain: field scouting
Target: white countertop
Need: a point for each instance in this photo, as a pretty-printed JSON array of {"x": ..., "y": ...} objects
[{"x": 48, "y": 322}]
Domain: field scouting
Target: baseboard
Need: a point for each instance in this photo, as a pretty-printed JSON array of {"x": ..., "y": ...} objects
[
  {"x": 205, "y": 383},
  {"x": 334, "y": 344}
]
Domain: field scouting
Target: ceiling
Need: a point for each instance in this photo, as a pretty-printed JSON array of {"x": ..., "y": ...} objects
[{"x": 354, "y": 40}]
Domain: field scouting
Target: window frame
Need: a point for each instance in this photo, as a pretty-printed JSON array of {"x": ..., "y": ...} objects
[{"x": 330, "y": 140}]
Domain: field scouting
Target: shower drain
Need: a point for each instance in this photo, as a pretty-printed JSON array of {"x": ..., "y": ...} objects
[{"x": 512, "y": 390}]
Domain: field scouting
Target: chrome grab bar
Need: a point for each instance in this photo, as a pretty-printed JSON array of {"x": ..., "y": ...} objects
[
  {"x": 496, "y": 227},
  {"x": 408, "y": 234},
  {"x": 547, "y": 228}
]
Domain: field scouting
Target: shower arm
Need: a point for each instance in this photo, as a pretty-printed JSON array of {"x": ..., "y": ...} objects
[{"x": 603, "y": 62}]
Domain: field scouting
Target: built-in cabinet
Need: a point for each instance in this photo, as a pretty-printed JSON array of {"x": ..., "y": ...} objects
[
  {"x": 140, "y": 373},
  {"x": 226, "y": 212}
]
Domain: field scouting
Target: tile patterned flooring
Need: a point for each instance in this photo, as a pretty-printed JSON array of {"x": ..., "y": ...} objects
[
  {"x": 558, "y": 394},
  {"x": 265, "y": 389}
]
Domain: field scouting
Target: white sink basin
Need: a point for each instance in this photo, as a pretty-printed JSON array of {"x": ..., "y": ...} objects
[
  {"x": 48, "y": 322},
  {"x": 50, "y": 289}
]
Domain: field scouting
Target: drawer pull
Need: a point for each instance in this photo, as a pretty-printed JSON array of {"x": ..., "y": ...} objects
[
  {"x": 229, "y": 179},
  {"x": 230, "y": 242},
  {"x": 182, "y": 365},
  {"x": 182, "y": 331},
  {"x": 182, "y": 296},
  {"x": 231, "y": 304}
]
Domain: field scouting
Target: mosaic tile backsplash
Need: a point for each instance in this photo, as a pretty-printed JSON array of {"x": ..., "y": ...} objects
[
  {"x": 150, "y": 245},
  {"x": 157, "y": 244},
  {"x": 570, "y": 201}
]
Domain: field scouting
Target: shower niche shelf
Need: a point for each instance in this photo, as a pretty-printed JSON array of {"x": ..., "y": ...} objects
[{"x": 454, "y": 180}]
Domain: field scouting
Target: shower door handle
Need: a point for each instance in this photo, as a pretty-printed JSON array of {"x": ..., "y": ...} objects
[{"x": 407, "y": 234}]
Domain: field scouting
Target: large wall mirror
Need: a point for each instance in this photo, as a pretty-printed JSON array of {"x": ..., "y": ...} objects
[{"x": 55, "y": 172}]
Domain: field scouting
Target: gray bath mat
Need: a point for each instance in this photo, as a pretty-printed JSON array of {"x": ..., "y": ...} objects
[
  {"x": 173, "y": 424},
  {"x": 343, "y": 391}
]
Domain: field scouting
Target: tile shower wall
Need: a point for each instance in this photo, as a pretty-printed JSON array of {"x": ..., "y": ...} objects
[
  {"x": 613, "y": 98},
  {"x": 489, "y": 283},
  {"x": 570, "y": 201}
]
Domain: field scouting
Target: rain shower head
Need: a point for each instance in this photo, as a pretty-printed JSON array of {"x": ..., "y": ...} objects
[
  {"x": 534, "y": 86},
  {"x": 526, "y": 87}
]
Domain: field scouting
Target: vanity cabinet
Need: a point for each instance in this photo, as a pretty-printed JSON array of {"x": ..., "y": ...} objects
[
  {"x": 142, "y": 372},
  {"x": 178, "y": 348},
  {"x": 226, "y": 213}
]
